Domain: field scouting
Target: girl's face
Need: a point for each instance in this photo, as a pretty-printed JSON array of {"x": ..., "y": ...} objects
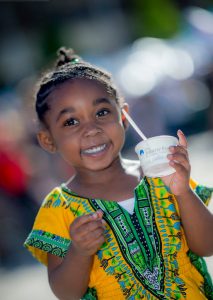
[{"x": 84, "y": 125}]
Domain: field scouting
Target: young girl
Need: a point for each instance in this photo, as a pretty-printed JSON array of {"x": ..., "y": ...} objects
[{"x": 110, "y": 233}]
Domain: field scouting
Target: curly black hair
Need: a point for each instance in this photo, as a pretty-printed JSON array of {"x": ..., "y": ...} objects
[{"x": 70, "y": 66}]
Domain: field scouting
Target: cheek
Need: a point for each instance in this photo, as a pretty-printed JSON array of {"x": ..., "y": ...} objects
[
  {"x": 117, "y": 132},
  {"x": 67, "y": 144}
]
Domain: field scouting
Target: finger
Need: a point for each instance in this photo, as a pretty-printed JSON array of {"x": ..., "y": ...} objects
[
  {"x": 90, "y": 239},
  {"x": 182, "y": 139},
  {"x": 78, "y": 222},
  {"x": 98, "y": 241},
  {"x": 175, "y": 164},
  {"x": 100, "y": 213},
  {"x": 87, "y": 218},
  {"x": 84, "y": 230},
  {"x": 94, "y": 246},
  {"x": 179, "y": 168},
  {"x": 95, "y": 234},
  {"x": 90, "y": 248},
  {"x": 179, "y": 149},
  {"x": 91, "y": 226},
  {"x": 179, "y": 158}
]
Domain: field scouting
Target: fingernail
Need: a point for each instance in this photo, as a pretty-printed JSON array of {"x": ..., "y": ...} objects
[
  {"x": 180, "y": 131},
  {"x": 99, "y": 213},
  {"x": 103, "y": 222},
  {"x": 95, "y": 215}
]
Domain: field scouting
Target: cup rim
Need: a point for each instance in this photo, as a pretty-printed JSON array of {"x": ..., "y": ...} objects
[
  {"x": 157, "y": 136},
  {"x": 154, "y": 137}
]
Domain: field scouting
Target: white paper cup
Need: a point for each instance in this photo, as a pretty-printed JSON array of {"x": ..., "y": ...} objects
[{"x": 153, "y": 153}]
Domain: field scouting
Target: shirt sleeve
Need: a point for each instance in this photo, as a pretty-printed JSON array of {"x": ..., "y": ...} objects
[
  {"x": 204, "y": 192},
  {"x": 50, "y": 232}
]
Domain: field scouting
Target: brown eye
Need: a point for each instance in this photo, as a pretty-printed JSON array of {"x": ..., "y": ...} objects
[
  {"x": 71, "y": 122},
  {"x": 103, "y": 112}
]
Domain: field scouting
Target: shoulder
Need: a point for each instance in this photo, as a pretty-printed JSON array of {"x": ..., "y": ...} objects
[
  {"x": 50, "y": 232},
  {"x": 204, "y": 192},
  {"x": 54, "y": 198}
]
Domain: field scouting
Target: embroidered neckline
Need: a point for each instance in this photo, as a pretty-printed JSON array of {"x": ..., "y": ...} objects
[{"x": 65, "y": 188}]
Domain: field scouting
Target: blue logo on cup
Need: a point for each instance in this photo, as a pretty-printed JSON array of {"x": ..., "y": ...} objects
[{"x": 142, "y": 152}]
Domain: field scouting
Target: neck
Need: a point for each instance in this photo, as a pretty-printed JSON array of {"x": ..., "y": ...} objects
[{"x": 87, "y": 177}]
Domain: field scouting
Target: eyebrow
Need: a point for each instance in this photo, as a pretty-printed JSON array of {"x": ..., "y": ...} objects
[
  {"x": 65, "y": 111},
  {"x": 96, "y": 102},
  {"x": 101, "y": 100}
]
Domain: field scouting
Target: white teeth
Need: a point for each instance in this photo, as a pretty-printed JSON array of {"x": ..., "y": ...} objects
[{"x": 94, "y": 150}]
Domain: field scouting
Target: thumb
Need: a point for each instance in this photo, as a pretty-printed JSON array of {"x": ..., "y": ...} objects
[{"x": 182, "y": 138}]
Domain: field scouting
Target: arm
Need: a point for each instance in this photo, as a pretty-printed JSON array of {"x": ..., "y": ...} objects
[
  {"x": 69, "y": 277},
  {"x": 197, "y": 220}
]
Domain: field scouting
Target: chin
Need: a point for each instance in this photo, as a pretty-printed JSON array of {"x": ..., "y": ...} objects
[{"x": 99, "y": 166}]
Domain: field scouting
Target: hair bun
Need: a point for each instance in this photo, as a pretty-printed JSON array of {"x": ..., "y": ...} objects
[{"x": 66, "y": 56}]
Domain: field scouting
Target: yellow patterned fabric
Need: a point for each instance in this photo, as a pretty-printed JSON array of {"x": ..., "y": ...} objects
[{"x": 145, "y": 254}]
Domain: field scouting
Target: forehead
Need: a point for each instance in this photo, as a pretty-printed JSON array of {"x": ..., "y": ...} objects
[{"x": 75, "y": 88}]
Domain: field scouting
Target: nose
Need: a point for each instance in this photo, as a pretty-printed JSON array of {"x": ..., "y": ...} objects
[{"x": 91, "y": 129}]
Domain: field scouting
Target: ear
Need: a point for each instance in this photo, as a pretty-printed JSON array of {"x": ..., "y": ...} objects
[
  {"x": 46, "y": 141},
  {"x": 124, "y": 120}
]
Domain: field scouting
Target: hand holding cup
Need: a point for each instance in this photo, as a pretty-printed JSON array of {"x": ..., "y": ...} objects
[
  {"x": 178, "y": 182},
  {"x": 153, "y": 153}
]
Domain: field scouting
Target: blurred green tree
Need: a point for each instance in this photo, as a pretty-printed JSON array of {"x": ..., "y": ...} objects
[{"x": 156, "y": 18}]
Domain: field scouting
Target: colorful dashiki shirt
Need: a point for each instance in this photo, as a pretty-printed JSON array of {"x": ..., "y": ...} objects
[{"x": 145, "y": 255}]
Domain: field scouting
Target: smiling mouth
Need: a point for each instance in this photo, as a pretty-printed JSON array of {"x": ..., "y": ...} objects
[{"x": 94, "y": 150}]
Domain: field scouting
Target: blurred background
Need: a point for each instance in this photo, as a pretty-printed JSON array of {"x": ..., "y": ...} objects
[{"x": 160, "y": 53}]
